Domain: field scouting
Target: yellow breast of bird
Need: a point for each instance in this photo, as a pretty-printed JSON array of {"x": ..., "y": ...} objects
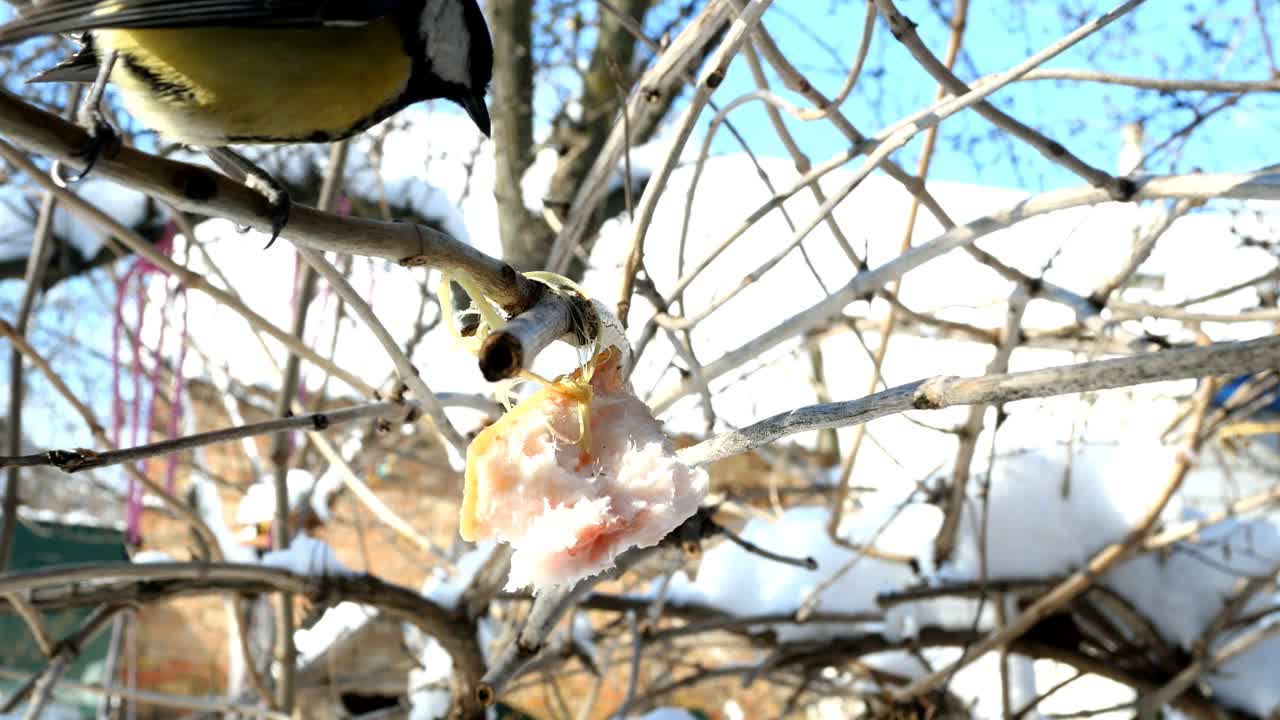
[{"x": 213, "y": 86}]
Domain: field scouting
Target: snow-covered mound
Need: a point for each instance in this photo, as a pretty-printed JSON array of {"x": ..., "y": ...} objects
[{"x": 1045, "y": 518}]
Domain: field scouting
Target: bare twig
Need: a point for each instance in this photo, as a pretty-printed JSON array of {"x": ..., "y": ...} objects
[
  {"x": 1264, "y": 185},
  {"x": 281, "y": 447},
  {"x": 1206, "y": 658},
  {"x": 904, "y": 31},
  {"x": 708, "y": 81},
  {"x": 37, "y": 263},
  {"x": 942, "y": 392},
  {"x": 959, "y": 20},
  {"x": 633, "y": 679},
  {"x": 33, "y": 278},
  {"x": 972, "y": 430},
  {"x": 664, "y": 79},
  {"x": 551, "y": 605},
  {"x": 177, "y": 702},
  {"x": 1149, "y": 83},
  {"x": 34, "y": 623},
  {"x": 1129, "y": 310},
  {"x": 372, "y": 502},
  {"x": 180, "y": 508},
  {"x": 804, "y": 563},
  {"x": 1190, "y": 528},
  {"x": 1143, "y": 245},
  {"x": 73, "y": 461},
  {"x": 409, "y": 375}
]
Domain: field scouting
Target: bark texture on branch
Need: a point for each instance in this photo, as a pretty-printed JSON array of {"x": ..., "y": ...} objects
[
  {"x": 943, "y": 392},
  {"x": 199, "y": 190}
]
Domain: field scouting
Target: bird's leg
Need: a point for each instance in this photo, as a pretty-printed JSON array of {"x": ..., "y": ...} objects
[
  {"x": 243, "y": 170},
  {"x": 103, "y": 139}
]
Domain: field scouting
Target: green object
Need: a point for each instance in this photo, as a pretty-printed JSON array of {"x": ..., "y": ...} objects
[
  {"x": 503, "y": 711},
  {"x": 40, "y": 544}
]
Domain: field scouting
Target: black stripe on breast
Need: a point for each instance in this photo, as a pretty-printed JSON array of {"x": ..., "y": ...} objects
[{"x": 160, "y": 87}]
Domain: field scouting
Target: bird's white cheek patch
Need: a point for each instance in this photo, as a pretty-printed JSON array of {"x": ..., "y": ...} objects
[
  {"x": 570, "y": 503},
  {"x": 444, "y": 28}
]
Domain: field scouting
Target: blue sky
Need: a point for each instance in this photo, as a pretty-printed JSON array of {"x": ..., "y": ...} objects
[
  {"x": 1163, "y": 38},
  {"x": 1157, "y": 40}
]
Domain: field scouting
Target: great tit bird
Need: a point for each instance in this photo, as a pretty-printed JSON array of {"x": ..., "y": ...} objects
[{"x": 212, "y": 73}]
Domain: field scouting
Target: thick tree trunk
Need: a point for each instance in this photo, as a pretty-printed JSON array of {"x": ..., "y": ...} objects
[{"x": 524, "y": 235}]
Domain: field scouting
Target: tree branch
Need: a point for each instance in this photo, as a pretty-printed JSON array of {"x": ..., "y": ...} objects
[
  {"x": 943, "y": 392},
  {"x": 84, "y": 586},
  {"x": 523, "y": 234},
  {"x": 1261, "y": 185},
  {"x": 202, "y": 191},
  {"x": 74, "y": 461}
]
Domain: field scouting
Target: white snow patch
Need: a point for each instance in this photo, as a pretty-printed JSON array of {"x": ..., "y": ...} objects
[
  {"x": 209, "y": 507},
  {"x": 1047, "y": 518},
  {"x": 309, "y": 557},
  {"x": 149, "y": 557},
  {"x": 445, "y": 588},
  {"x": 258, "y": 506},
  {"x": 336, "y": 623}
]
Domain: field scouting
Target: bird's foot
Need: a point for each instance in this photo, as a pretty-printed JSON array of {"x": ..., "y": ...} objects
[
  {"x": 244, "y": 170},
  {"x": 279, "y": 204},
  {"x": 102, "y": 141}
]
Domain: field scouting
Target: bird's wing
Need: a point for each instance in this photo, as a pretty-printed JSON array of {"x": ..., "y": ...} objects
[{"x": 69, "y": 16}]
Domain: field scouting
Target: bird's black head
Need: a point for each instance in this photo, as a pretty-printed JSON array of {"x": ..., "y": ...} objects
[{"x": 454, "y": 56}]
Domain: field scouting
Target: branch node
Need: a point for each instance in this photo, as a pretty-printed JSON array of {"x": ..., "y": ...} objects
[
  {"x": 1124, "y": 189},
  {"x": 195, "y": 183},
  {"x": 501, "y": 356},
  {"x": 927, "y": 396}
]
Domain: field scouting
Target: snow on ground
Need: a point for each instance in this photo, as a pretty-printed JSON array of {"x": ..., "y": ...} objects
[
  {"x": 259, "y": 503},
  {"x": 1046, "y": 518},
  {"x": 147, "y": 557}
]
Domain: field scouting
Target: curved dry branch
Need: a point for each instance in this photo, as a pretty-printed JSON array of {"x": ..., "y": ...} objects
[
  {"x": 1150, "y": 83},
  {"x": 91, "y": 585},
  {"x": 1034, "y": 644},
  {"x": 202, "y": 191}
]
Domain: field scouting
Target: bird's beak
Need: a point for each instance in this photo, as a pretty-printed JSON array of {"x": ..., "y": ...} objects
[{"x": 477, "y": 111}]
